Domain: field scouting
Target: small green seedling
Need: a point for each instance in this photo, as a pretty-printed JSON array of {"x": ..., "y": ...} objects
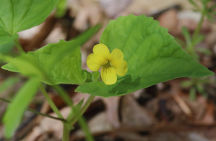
[{"x": 207, "y": 10}]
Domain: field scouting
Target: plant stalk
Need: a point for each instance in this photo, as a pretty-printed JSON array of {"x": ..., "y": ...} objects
[
  {"x": 51, "y": 103},
  {"x": 66, "y": 132},
  {"x": 75, "y": 117},
  {"x": 191, "y": 47},
  {"x": 84, "y": 108},
  {"x": 64, "y": 95},
  {"x": 198, "y": 28}
]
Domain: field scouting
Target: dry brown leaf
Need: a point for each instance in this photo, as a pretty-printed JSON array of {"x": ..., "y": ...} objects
[
  {"x": 86, "y": 12},
  {"x": 99, "y": 124},
  {"x": 112, "y": 105},
  {"x": 169, "y": 20},
  {"x": 114, "y": 7},
  {"x": 150, "y": 7},
  {"x": 134, "y": 115},
  {"x": 48, "y": 125}
]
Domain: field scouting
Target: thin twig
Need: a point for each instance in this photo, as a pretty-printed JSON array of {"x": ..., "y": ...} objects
[{"x": 34, "y": 111}]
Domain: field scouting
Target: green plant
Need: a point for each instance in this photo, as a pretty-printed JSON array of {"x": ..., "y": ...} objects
[
  {"x": 151, "y": 53},
  {"x": 207, "y": 9}
]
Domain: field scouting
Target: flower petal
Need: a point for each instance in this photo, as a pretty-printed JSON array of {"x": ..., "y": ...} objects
[
  {"x": 116, "y": 58},
  {"x": 117, "y": 54},
  {"x": 118, "y": 62},
  {"x": 94, "y": 62},
  {"x": 108, "y": 75},
  {"x": 101, "y": 50},
  {"x": 122, "y": 68}
]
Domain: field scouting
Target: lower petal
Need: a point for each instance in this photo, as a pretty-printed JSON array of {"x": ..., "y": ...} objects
[{"x": 108, "y": 75}]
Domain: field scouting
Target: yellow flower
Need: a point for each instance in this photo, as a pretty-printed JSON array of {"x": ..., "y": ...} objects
[{"x": 111, "y": 64}]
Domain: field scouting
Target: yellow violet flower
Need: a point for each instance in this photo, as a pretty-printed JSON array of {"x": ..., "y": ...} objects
[{"x": 111, "y": 64}]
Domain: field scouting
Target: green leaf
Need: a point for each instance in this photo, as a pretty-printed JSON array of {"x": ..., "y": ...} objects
[
  {"x": 204, "y": 2},
  {"x": 95, "y": 76},
  {"x": 21, "y": 63},
  {"x": 58, "y": 63},
  {"x": 61, "y": 8},
  {"x": 205, "y": 51},
  {"x": 5, "y": 38},
  {"x": 152, "y": 54},
  {"x": 192, "y": 94},
  {"x": 187, "y": 36},
  {"x": 193, "y": 3},
  {"x": 8, "y": 83},
  {"x": 7, "y": 47},
  {"x": 197, "y": 40},
  {"x": 18, "y": 15},
  {"x": 19, "y": 104},
  {"x": 187, "y": 84}
]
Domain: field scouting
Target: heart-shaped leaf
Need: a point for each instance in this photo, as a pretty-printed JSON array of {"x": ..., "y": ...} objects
[{"x": 152, "y": 54}]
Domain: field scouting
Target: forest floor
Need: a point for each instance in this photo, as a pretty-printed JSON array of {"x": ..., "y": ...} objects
[{"x": 170, "y": 111}]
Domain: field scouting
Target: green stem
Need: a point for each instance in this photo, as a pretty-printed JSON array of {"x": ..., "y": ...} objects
[
  {"x": 66, "y": 133},
  {"x": 198, "y": 28},
  {"x": 19, "y": 47},
  {"x": 74, "y": 115},
  {"x": 84, "y": 108},
  {"x": 85, "y": 129},
  {"x": 51, "y": 103},
  {"x": 191, "y": 47},
  {"x": 64, "y": 95},
  {"x": 36, "y": 112},
  {"x": 87, "y": 104}
]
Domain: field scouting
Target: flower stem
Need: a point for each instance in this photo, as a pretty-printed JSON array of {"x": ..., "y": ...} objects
[
  {"x": 75, "y": 115},
  {"x": 64, "y": 95},
  {"x": 85, "y": 129},
  {"x": 51, "y": 103},
  {"x": 84, "y": 108},
  {"x": 66, "y": 132},
  {"x": 87, "y": 104}
]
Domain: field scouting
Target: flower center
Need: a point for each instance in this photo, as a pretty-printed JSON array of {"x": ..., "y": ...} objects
[{"x": 107, "y": 65}]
